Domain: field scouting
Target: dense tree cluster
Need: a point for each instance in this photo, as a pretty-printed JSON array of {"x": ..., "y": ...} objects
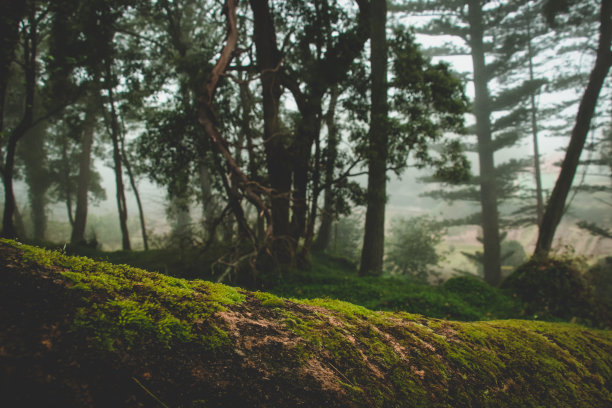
[{"x": 264, "y": 111}]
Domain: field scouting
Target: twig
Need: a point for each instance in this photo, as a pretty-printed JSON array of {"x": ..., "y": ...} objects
[{"x": 149, "y": 392}]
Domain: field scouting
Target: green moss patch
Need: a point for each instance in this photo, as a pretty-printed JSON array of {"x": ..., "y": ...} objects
[
  {"x": 94, "y": 334},
  {"x": 134, "y": 306}
]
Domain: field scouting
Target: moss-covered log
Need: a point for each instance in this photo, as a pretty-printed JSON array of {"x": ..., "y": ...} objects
[{"x": 86, "y": 334}]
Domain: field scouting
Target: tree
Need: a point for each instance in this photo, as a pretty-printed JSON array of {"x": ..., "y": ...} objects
[
  {"x": 412, "y": 246},
  {"x": 603, "y": 62},
  {"x": 29, "y": 31},
  {"x": 428, "y": 100},
  {"x": 490, "y": 36},
  {"x": 374, "y": 234},
  {"x": 77, "y": 236}
]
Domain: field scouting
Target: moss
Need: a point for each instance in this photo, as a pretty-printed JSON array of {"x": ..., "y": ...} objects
[
  {"x": 140, "y": 306},
  {"x": 375, "y": 359},
  {"x": 269, "y": 300}
]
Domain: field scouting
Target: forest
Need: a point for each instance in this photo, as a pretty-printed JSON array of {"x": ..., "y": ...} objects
[{"x": 378, "y": 183}]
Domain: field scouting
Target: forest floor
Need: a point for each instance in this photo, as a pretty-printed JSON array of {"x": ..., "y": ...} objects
[{"x": 88, "y": 334}]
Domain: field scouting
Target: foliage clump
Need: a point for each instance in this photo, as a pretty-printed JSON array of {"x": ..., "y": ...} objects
[
  {"x": 554, "y": 289},
  {"x": 600, "y": 278},
  {"x": 412, "y": 246}
]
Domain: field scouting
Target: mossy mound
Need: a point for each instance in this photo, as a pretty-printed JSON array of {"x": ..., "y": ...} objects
[
  {"x": 555, "y": 290},
  {"x": 78, "y": 333}
]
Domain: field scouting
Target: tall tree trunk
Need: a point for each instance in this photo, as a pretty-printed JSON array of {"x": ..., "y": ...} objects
[
  {"x": 327, "y": 215},
  {"x": 309, "y": 130},
  {"x": 65, "y": 173},
  {"x": 118, "y": 168},
  {"x": 374, "y": 235},
  {"x": 246, "y": 102},
  {"x": 556, "y": 203},
  {"x": 316, "y": 192},
  {"x": 80, "y": 218},
  {"x": 210, "y": 209},
  {"x": 11, "y": 13},
  {"x": 488, "y": 184},
  {"x": 36, "y": 176},
  {"x": 534, "y": 131},
  {"x": 277, "y": 156},
  {"x": 29, "y": 53},
  {"x": 134, "y": 185}
]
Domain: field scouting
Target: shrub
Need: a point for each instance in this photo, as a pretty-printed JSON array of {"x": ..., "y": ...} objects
[
  {"x": 411, "y": 248},
  {"x": 554, "y": 289}
]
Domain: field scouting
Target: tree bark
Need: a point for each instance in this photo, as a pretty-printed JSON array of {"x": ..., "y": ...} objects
[
  {"x": 29, "y": 53},
  {"x": 134, "y": 185},
  {"x": 374, "y": 234},
  {"x": 534, "y": 132},
  {"x": 36, "y": 176},
  {"x": 117, "y": 162},
  {"x": 488, "y": 185},
  {"x": 11, "y": 13},
  {"x": 327, "y": 215},
  {"x": 80, "y": 217},
  {"x": 556, "y": 203},
  {"x": 278, "y": 160}
]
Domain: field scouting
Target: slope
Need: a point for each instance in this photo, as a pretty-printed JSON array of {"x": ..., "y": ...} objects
[{"x": 81, "y": 333}]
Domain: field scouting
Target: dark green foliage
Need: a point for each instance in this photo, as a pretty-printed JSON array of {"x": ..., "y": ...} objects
[
  {"x": 411, "y": 248},
  {"x": 600, "y": 279},
  {"x": 332, "y": 278},
  {"x": 554, "y": 289},
  {"x": 478, "y": 294}
]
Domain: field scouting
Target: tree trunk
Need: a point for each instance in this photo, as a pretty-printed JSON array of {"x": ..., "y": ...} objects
[
  {"x": 118, "y": 168},
  {"x": 556, "y": 203},
  {"x": 65, "y": 173},
  {"x": 308, "y": 130},
  {"x": 316, "y": 192},
  {"x": 278, "y": 160},
  {"x": 247, "y": 102},
  {"x": 327, "y": 215},
  {"x": 36, "y": 176},
  {"x": 11, "y": 13},
  {"x": 374, "y": 235},
  {"x": 488, "y": 187},
  {"x": 80, "y": 218},
  {"x": 134, "y": 185},
  {"x": 534, "y": 133},
  {"x": 29, "y": 53}
]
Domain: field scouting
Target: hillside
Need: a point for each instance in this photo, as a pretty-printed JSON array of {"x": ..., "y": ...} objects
[{"x": 80, "y": 333}]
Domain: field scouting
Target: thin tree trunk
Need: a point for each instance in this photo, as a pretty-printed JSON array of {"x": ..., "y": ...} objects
[
  {"x": 79, "y": 223},
  {"x": 534, "y": 132},
  {"x": 374, "y": 235},
  {"x": 327, "y": 215},
  {"x": 247, "y": 102},
  {"x": 134, "y": 185},
  {"x": 556, "y": 203},
  {"x": 114, "y": 133},
  {"x": 29, "y": 52},
  {"x": 11, "y": 12},
  {"x": 309, "y": 130},
  {"x": 34, "y": 157},
  {"x": 316, "y": 191},
  {"x": 488, "y": 182}
]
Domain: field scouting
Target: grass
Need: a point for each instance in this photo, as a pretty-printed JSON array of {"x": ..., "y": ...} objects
[{"x": 462, "y": 298}]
